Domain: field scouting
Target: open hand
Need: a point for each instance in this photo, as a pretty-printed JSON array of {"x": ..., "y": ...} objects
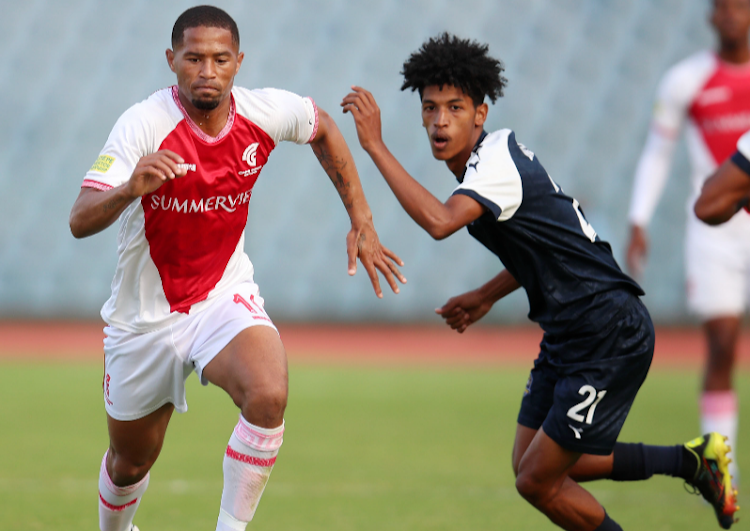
[{"x": 362, "y": 242}]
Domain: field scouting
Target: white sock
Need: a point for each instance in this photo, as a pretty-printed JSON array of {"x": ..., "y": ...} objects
[
  {"x": 719, "y": 413},
  {"x": 248, "y": 462},
  {"x": 117, "y": 505}
]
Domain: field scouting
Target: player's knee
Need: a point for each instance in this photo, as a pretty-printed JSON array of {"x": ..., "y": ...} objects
[
  {"x": 265, "y": 404},
  {"x": 129, "y": 472},
  {"x": 532, "y": 490},
  {"x": 515, "y": 466}
]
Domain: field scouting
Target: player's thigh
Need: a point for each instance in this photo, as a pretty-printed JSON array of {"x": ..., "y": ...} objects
[
  {"x": 235, "y": 345},
  {"x": 253, "y": 363},
  {"x": 717, "y": 268}
]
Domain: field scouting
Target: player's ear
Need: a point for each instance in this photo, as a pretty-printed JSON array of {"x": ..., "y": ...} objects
[
  {"x": 240, "y": 57},
  {"x": 170, "y": 59},
  {"x": 480, "y": 115}
]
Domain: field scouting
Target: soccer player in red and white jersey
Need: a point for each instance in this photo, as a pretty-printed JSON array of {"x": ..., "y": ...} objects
[
  {"x": 178, "y": 171},
  {"x": 711, "y": 92}
]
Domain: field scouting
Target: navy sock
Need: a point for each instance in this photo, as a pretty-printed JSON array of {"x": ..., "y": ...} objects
[
  {"x": 638, "y": 461},
  {"x": 608, "y": 524}
]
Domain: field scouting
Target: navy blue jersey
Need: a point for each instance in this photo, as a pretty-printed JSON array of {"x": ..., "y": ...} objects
[{"x": 541, "y": 236}]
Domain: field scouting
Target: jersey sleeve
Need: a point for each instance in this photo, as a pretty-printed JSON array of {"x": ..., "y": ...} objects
[
  {"x": 130, "y": 139},
  {"x": 283, "y": 115},
  {"x": 742, "y": 156},
  {"x": 672, "y": 101},
  {"x": 492, "y": 177},
  {"x": 652, "y": 170}
]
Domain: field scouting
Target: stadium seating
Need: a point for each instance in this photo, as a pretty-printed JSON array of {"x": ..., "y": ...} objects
[{"x": 582, "y": 75}]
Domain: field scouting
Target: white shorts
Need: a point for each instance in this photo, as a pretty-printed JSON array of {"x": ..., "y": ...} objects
[
  {"x": 717, "y": 260},
  {"x": 142, "y": 372}
]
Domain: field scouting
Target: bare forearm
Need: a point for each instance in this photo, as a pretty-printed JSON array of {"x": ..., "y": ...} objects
[
  {"x": 423, "y": 207},
  {"x": 499, "y": 286},
  {"x": 336, "y": 159},
  {"x": 96, "y": 210},
  {"x": 714, "y": 207},
  {"x": 723, "y": 194}
]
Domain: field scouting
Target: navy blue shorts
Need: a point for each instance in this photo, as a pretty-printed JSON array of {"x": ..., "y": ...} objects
[{"x": 583, "y": 385}]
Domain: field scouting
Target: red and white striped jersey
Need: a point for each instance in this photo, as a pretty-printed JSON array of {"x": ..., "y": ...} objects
[
  {"x": 713, "y": 97},
  {"x": 182, "y": 245}
]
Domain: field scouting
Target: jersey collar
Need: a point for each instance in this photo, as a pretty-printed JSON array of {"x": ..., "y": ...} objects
[{"x": 197, "y": 130}]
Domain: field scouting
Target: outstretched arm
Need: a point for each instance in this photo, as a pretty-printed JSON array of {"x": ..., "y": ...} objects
[
  {"x": 440, "y": 220},
  {"x": 362, "y": 241},
  {"x": 468, "y": 308},
  {"x": 723, "y": 194}
]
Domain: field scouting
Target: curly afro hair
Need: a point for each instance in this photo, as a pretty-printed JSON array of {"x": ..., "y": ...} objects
[{"x": 462, "y": 63}]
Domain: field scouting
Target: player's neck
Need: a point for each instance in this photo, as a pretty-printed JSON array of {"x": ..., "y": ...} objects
[
  {"x": 210, "y": 122},
  {"x": 734, "y": 52}
]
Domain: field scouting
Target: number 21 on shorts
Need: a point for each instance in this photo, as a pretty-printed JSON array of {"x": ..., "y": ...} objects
[{"x": 591, "y": 401}]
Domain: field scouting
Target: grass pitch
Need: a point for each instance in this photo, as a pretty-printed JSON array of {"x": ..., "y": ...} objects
[{"x": 366, "y": 448}]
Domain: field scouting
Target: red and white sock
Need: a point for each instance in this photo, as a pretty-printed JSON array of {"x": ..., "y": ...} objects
[
  {"x": 117, "y": 505},
  {"x": 248, "y": 462},
  {"x": 719, "y": 413}
]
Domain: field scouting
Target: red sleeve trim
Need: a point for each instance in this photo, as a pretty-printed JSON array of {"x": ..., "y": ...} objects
[
  {"x": 315, "y": 128},
  {"x": 89, "y": 183}
]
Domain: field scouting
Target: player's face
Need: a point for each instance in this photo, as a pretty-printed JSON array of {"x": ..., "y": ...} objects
[
  {"x": 453, "y": 123},
  {"x": 731, "y": 19},
  {"x": 205, "y": 63}
]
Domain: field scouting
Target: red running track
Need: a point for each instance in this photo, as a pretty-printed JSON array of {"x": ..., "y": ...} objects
[{"x": 357, "y": 343}]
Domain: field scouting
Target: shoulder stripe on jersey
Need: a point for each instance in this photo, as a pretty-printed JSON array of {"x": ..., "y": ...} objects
[
  {"x": 492, "y": 207},
  {"x": 742, "y": 162},
  {"x": 89, "y": 183},
  {"x": 315, "y": 127}
]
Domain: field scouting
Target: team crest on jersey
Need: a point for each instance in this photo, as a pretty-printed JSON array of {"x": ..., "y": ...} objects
[
  {"x": 249, "y": 154},
  {"x": 103, "y": 163}
]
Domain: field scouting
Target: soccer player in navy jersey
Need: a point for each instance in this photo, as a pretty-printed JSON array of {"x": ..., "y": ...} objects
[
  {"x": 178, "y": 171},
  {"x": 727, "y": 190},
  {"x": 598, "y": 337}
]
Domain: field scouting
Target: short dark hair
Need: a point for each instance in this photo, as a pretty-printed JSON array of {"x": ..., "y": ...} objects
[
  {"x": 208, "y": 16},
  {"x": 448, "y": 60}
]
